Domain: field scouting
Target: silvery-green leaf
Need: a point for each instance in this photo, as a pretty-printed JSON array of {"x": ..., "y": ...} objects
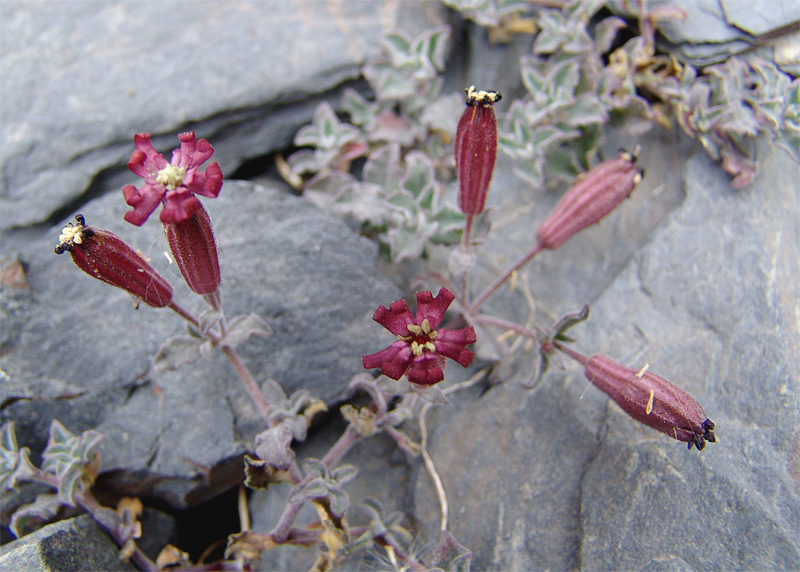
[
  {"x": 176, "y": 352},
  {"x": 304, "y": 161},
  {"x": 207, "y": 320},
  {"x": 383, "y": 167},
  {"x": 314, "y": 489},
  {"x": 433, "y": 45},
  {"x": 344, "y": 473},
  {"x": 274, "y": 447},
  {"x": 340, "y": 502},
  {"x": 431, "y": 394},
  {"x": 315, "y": 467},
  {"x": 605, "y": 32},
  {"x": 419, "y": 173},
  {"x": 241, "y": 328},
  {"x": 43, "y": 508}
]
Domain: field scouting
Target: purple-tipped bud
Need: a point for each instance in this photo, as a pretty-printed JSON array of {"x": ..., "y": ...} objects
[
  {"x": 195, "y": 251},
  {"x": 652, "y": 400},
  {"x": 105, "y": 256},
  {"x": 590, "y": 199},
  {"x": 476, "y": 149}
]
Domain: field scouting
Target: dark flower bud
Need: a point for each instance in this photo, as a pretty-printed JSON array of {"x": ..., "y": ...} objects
[
  {"x": 595, "y": 195},
  {"x": 652, "y": 400},
  {"x": 476, "y": 149},
  {"x": 105, "y": 256},
  {"x": 194, "y": 248}
]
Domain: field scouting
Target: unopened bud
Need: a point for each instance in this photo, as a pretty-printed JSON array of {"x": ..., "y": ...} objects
[
  {"x": 476, "y": 149},
  {"x": 590, "y": 199},
  {"x": 195, "y": 251},
  {"x": 105, "y": 256},
  {"x": 652, "y": 400}
]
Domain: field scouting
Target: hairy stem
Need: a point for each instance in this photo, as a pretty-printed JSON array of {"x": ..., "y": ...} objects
[
  {"x": 500, "y": 323},
  {"x": 437, "y": 481},
  {"x": 571, "y": 353},
  {"x": 249, "y": 382},
  {"x": 503, "y": 277},
  {"x": 241, "y": 369},
  {"x": 88, "y": 503}
]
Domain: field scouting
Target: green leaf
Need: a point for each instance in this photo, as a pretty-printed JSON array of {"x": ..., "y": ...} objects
[
  {"x": 315, "y": 468},
  {"x": 242, "y": 328},
  {"x": 344, "y": 473},
  {"x": 177, "y": 352},
  {"x": 44, "y": 508},
  {"x": 383, "y": 167},
  {"x": 419, "y": 173},
  {"x": 72, "y": 459}
]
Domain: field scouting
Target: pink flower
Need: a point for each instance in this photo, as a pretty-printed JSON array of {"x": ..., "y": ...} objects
[
  {"x": 174, "y": 184},
  {"x": 420, "y": 349}
]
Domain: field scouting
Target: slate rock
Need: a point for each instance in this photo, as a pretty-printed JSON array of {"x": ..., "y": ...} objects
[
  {"x": 84, "y": 353},
  {"x": 711, "y": 304},
  {"x": 714, "y": 30},
  {"x": 560, "y": 478},
  {"x": 79, "y": 79},
  {"x": 72, "y": 545}
]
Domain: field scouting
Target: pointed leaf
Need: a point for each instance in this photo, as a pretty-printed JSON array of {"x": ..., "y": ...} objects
[
  {"x": 44, "y": 508},
  {"x": 315, "y": 468},
  {"x": 241, "y": 328},
  {"x": 344, "y": 473},
  {"x": 176, "y": 352}
]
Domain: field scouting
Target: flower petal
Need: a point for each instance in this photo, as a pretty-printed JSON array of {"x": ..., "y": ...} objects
[
  {"x": 433, "y": 309},
  {"x": 207, "y": 184},
  {"x": 426, "y": 369},
  {"x": 179, "y": 205},
  {"x": 144, "y": 201},
  {"x": 393, "y": 361},
  {"x": 396, "y": 318},
  {"x": 154, "y": 161},
  {"x": 452, "y": 344}
]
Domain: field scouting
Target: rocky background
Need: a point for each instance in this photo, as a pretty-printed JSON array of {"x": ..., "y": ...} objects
[{"x": 691, "y": 276}]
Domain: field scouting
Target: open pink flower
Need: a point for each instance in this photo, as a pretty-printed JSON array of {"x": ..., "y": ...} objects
[
  {"x": 175, "y": 183},
  {"x": 420, "y": 349}
]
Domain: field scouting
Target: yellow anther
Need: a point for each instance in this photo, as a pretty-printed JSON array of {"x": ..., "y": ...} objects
[
  {"x": 171, "y": 176},
  {"x": 71, "y": 234},
  {"x": 426, "y": 326},
  {"x": 649, "y": 407},
  {"x": 414, "y": 329},
  {"x": 416, "y": 349}
]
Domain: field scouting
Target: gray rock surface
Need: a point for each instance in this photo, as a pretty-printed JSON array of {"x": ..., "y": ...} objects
[
  {"x": 560, "y": 478},
  {"x": 74, "y": 545},
  {"x": 79, "y": 79},
  {"x": 716, "y": 29},
  {"x": 689, "y": 275},
  {"x": 84, "y": 352}
]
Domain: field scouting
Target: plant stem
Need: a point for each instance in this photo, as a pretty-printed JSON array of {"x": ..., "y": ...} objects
[
  {"x": 437, "y": 481},
  {"x": 349, "y": 438},
  {"x": 465, "y": 241},
  {"x": 503, "y": 277},
  {"x": 87, "y": 501},
  {"x": 216, "y": 304},
  {"x": 571, "y": 353},
  {"x": 500, "y": 323},
  {"x": 249, "y": 382},
  {"x": 241, "y": 369}
]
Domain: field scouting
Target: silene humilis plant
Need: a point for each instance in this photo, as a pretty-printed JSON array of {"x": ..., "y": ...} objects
[{"x": 413, "y": 140}]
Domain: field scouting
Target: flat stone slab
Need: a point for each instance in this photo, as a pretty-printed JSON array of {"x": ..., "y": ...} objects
[{"x": 79, "y": 79}]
